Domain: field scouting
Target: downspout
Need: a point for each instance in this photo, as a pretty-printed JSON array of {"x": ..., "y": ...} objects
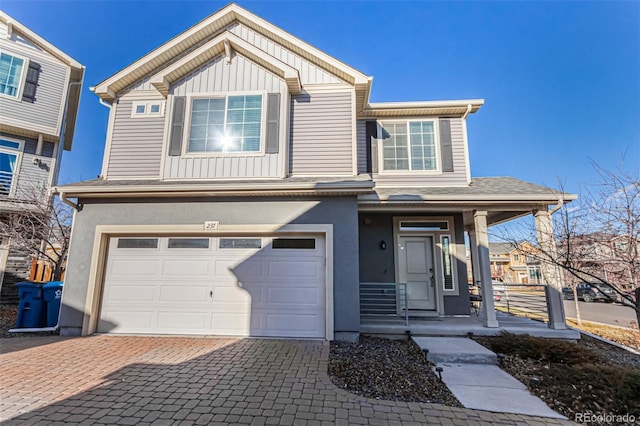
[
  {"x": 64, "y": 199},
  {"x": 558, "y": 206},
  {"x": 467, "y": 112}
]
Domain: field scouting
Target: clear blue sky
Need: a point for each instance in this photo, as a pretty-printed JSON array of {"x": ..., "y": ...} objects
[{"x": 561, "y": 80}]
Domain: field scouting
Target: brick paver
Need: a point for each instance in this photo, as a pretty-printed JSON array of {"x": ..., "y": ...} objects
[{"x": 179, "y": 380}]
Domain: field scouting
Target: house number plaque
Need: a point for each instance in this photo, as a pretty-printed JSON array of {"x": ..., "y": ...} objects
[{"x": 211, "y": 225}]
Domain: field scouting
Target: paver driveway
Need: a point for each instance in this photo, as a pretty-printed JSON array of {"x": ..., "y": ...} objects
[{"x": 161, "y": 380}]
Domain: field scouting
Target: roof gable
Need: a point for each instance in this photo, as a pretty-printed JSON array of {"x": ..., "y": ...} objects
[{"x": 210, "y": 28}]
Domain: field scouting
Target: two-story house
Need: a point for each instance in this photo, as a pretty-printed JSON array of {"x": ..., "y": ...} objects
[
  {"x": 249, "y": 187},
  {"x": 39, "y": 95},
  {"x": 515, "y": 264}
]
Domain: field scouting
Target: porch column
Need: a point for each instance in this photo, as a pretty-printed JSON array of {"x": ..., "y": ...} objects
[
  {"x": 484, "y": 264},
  {"x": 551, "y": 275},
  {"x": 475, "y": 267}
]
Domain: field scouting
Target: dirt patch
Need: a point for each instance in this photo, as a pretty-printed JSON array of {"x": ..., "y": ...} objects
[
  {"x": 589, "y": 377},
  {"x": 394, "y": 370}
]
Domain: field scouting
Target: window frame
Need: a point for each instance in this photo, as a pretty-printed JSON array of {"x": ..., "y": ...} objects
[
  {"x": 225, "y": 95},
  {"x": 147, "y": 109},
  {"x": 407, "y": 122},
  {"x": 23, "y": 77},
  {"x": 18, "y": 153}
]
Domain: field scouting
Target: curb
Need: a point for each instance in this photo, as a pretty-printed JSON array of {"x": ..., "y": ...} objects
[{"x": 602, "y": 339}]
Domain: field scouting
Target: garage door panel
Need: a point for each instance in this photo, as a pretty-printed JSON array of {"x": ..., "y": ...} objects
[
  {"x": 136, "y": 267},
  {"x": 238, "y": 269},
  {"x": 291, "y": 269},
  {"x": 294, "y": 296},
  {"x": 194, "y": 321},
  {"x": 186, "y": 268},
  {"x": 126, "y": 292},
  {"x": 177, "y": 294},
  {"x": 237, "y": 292}
]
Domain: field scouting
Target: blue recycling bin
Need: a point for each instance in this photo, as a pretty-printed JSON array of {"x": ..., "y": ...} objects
[
  {"x": 31, "y": 309},
  {"x": 52, "y": 295}
]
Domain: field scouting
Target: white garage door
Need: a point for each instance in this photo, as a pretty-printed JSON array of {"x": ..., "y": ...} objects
[{"x": 262, "y": 286}]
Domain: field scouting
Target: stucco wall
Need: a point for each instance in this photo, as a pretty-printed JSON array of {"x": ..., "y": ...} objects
[{"x": 341, "y": 212}]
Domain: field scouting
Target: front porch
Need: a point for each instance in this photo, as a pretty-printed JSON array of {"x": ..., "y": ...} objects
[{"x": 385, "y": 326}]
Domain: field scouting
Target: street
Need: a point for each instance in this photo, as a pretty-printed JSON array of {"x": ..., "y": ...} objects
[{"x": 607, "y": 313}]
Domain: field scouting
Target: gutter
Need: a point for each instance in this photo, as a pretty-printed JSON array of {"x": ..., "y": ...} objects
[
  {"x": 558, "y": 206},
  {"x": 64, "y": 199},
  {"x": 466, "y": 114}
]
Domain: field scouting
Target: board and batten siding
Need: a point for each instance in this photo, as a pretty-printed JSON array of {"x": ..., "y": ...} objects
[
  {"x": 45, "y": 113},
  {"x": 309, "y": 73},
  {"x": 321, "y": 134},
  {"x": 135, "y": 149},
  {"x": 217, "y": 76},
  {"x": 456, "y": 178}
]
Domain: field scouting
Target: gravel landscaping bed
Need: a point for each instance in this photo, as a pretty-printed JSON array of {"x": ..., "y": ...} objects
[
  {"x": 8, "y": 316},
  {"x": 387, "y": 369}
]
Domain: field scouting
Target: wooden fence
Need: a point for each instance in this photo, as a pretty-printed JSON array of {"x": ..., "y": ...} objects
[{"x": 42, "y": 271}]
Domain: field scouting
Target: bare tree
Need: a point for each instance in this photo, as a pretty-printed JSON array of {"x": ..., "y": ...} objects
[
  {"x": 598, "y": 237},
  {"x": 39, "y": 226}
]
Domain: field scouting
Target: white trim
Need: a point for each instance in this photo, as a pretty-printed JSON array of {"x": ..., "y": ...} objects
[
  {"x": 186, "y": 131},
  {"x": 465, "y": 141},
  {"x": 104, "y": 232},
  {"x": 409, "y": 171},
  {"x": 16, "y": 173},
  {"x": 106, "y": 156},
  {"x": 166, "y": 135},
  {"x": 63, "y": 102},
  {"x": 23, "y": 78},
  {"x": 283, "y": 143},
  {"x": 354, "y": 135},
  {"x": 147, "y": 108}
]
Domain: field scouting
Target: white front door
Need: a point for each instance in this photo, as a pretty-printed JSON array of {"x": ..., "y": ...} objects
[{"x": 415, "y": 258}]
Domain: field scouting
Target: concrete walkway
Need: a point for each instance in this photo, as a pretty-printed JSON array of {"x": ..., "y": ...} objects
[
  {"x": 197, "y": 381},
  {"x": 469, "y": 370}
]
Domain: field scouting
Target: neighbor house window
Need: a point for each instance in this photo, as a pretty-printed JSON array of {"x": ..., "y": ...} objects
[
  {"x": 226, "y": 124},
  {"x": 9, "y": 156},
  {"x": 409, "y": 146},
  {"x": 11, "y": 70},
  {"x": 147, "y": 109}
]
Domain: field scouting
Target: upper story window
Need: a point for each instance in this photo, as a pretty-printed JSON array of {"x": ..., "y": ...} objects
[
  {"x": 408, "y": 146},
  {"x": 9, "y": 160},
  {"x": 147, "y": 109},
  {"x": 11, "y": 72},
  {"x": 226, "y": 124}
]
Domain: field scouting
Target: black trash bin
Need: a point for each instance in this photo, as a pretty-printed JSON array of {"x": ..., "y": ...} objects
[
  {"x": 31, "y": 310},
  {"x": 52, "y": 294}
]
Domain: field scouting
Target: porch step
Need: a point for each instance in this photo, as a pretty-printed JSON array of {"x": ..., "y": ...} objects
[{"x": 455, "y": 350}]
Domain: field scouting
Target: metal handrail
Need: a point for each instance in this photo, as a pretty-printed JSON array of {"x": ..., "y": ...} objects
[
  {"x": 387, "y": 299},
  {"x": 528, "y": 300}
]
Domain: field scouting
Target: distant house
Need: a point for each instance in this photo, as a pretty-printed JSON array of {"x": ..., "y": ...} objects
[
  {"x": 249, "y": 187},
  {"x": 39, "y": 95},
  {"x": 517, "y": 265}
]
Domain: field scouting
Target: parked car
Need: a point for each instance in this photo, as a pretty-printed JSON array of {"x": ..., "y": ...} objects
[{"x": 589, "y": 292}]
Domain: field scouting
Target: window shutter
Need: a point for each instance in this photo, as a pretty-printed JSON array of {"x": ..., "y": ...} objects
[
  {"x": 177, "y": 125},
  {"x": 273, "y": 123},
  {"x": 446, "y": 149},
  {"x": 31, "y": 82},
  {"x": 371, "y": 144}
]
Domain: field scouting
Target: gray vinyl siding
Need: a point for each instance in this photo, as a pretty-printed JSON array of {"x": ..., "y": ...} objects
[
  {"x": 361, "y": 127},
  {"x": 219, "y": 77},
  {"x": 309, "y": 73},
  {"x": 456, "y": 178},
  {"x": 136, "y": 143},
  {"x": 321, "y": 134},
  {"x": 43, "y": 115},
  {"x": 30, "y": 179}
]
